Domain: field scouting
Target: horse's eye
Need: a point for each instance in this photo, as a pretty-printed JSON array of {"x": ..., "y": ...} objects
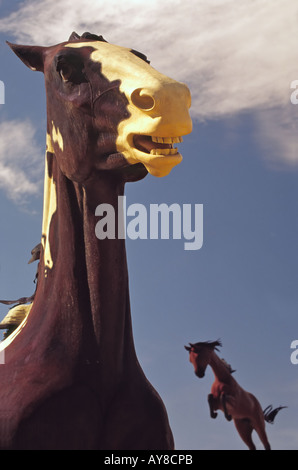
[
  {"x": 65, "y": 72},
  {"x": 140, "y": 55},
  {"x": 70, "y": 69}
]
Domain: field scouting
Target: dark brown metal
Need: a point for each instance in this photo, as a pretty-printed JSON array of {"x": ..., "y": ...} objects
[{"x": 71, "y": 378}]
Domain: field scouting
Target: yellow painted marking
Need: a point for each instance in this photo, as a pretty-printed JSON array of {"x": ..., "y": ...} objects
[
  {"x": 49, "y": 144},
  {"x": 49, "y": 208},
  {"x": 57, "y": 137}
]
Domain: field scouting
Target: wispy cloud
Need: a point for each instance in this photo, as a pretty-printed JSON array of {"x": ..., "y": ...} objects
[
  {"x": 277, "y": 133},
  {"x": 235, "y": 55},
  {"x": 20, "y": 160}
]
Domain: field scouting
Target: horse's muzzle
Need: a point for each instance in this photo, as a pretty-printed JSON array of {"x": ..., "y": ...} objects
[{"x": 200, "y": 374}]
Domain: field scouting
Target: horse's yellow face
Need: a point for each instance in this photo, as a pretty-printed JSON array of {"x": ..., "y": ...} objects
[{"x": 158, "y": 107}]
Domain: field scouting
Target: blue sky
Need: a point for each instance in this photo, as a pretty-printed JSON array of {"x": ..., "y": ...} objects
[{"x": 240, "y": 162}]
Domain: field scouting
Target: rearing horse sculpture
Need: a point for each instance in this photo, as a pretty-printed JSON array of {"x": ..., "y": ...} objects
[
  {"x": 71, "y": 378},
  {"x": 227, "y": 395}
]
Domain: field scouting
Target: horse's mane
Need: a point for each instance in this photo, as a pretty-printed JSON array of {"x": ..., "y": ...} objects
[
  {"x": 228, "y": 366},
  {"x": 93, "y": 37},
  {"x": 210, "y": 344}
]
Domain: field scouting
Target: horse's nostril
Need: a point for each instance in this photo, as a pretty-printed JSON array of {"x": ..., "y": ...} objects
[{"x": 142, "y": 100}]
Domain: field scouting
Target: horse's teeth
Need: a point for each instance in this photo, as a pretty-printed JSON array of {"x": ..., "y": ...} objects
[
  {"x": 172, "y": 151},
  {"x": 167, "y": 140}
]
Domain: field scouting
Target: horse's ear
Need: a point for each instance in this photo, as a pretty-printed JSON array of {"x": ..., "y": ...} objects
[
  {"x": 74, "y": 36},
  {"x": 32, "y": 56},
  {"x": 216, "y": 343},
  {"x": 188, "y": 348}
]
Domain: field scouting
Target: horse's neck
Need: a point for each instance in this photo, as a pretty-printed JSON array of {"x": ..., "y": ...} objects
[
  {"x": 220, "y": 370},
  {"x": 83, "y": 281}
]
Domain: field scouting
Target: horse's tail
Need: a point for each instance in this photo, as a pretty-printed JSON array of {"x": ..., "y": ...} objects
[{"x": 270, "y": 413}]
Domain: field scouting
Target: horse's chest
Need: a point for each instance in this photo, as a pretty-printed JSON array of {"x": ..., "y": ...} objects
[{"x": 218, "y": 388}]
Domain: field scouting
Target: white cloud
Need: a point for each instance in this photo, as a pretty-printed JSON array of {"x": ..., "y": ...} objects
[
  {"x": 21, "y": 160},
  {"x": 236, "y": 55},
  {"x": 277, "y": 134}
]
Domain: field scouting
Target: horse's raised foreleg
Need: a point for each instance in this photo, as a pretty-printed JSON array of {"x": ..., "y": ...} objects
[
  {"x": 224, "y": 405},
  {"x": 245, "y": 430},
  {"x": 211, "y": 406}
]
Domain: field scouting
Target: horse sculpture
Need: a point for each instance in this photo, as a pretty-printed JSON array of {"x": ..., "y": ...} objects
[
  {"x": 227, "y": 395},
  {"x": 71, "y": 378}
]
